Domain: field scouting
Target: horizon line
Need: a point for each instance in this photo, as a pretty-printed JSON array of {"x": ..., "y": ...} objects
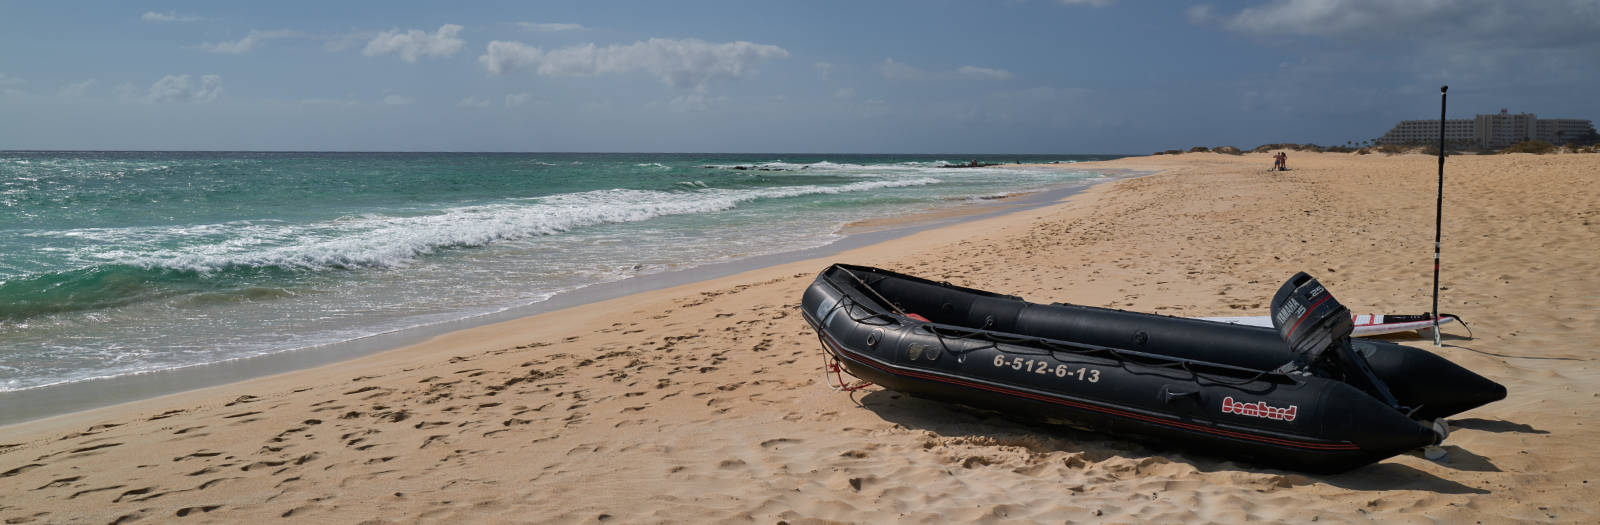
[{"x": 530, "y": 152}]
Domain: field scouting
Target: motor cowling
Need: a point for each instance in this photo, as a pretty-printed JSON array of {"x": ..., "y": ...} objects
[{"x": 1308, "y": 317}]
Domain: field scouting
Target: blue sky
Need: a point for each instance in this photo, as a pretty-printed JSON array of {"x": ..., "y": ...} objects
[{"x": 934, "y": 76}]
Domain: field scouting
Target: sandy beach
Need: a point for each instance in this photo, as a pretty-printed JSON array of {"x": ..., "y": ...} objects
[{"x": 705, "y": 403}]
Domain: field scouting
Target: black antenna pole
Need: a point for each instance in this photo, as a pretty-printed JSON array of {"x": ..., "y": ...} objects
[{"x": 1438, "y": 219}]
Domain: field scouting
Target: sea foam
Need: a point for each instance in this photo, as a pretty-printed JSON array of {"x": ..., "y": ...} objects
[{"x": 384, "y": 241}]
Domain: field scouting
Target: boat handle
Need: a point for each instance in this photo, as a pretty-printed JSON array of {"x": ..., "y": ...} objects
[{"x": 1168, "y": 395}]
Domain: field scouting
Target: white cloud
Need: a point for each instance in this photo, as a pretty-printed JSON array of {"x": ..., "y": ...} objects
[
  {"x": 504, "y": 57},
  {"x": 983, "y": 72},
  {"x": 1480, "y": 42},
  {"x": 76, "y": 89},
  {"x": 897, "y": 71},
  {"x": 178, "y": 88},
  {"x": 1455, "y": 19},
  {"x": 1323, "y": 17},
  {"x": 1044, "y": 95},
  {"x": 901, "y": 71},
  {"x": 1090, "y": 3},
  {"x": 8, "y": 80},
  {"x": 693, "y": 102},
  {"x": 474, "y": 102},
  {"x": 169, "y": 16},
  {"x": 327, "y": 102},
  {"x": 342, "y": 42},
  {"x": 518, "y": 99},
  {"x": 126, "y": 92},
  {"x": 551, "y": 28},
  {"x": 249, "y": 42},
  {"x": 844, "y": 93},
  {"x": 399, "y": 100},
  {"x": 415, "y": 44},
  {"x": 688, "y": 63},
  {"x": 824, "y": 68}
]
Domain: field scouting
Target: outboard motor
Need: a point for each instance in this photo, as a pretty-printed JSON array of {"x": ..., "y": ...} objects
[
  {"x": 1308, "y": 317},
  {"x": 1317, "y": 329}
]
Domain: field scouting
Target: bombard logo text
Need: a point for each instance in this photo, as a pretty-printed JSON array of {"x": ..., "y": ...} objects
[{"x": 1259, "y": 409}]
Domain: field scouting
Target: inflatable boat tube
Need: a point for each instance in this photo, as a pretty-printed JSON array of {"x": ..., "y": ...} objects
[{"x": 1207, "y": 386}]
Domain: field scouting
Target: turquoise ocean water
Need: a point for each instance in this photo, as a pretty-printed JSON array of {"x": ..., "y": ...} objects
[{"x": 115, "y": 263}]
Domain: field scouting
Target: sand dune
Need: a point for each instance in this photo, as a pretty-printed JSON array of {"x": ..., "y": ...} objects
[{"x": 704, "y": 403}]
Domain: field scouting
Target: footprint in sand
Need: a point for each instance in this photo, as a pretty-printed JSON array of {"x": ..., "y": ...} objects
[
  {"x": 92, "y": 448},
  {"x": 244, "y": 415},
  {"x": 213, "y": 483},
  {"x": 200, "y": 454},
  {"x": 261, "y": 464},
  {"x": 94, "y": 490},
  {"x": 356, "y": 438},
  {"x": 247, "y": 398},
  {"x": 91, "y": 431},
  {"x": 20, "y": 470},
  {"x": 165, "y": 415},
  {"x": 203, "y": 509},
  {"x": 145, "y": 492},
  {"x": 778, "y": 441},
  {"x": 59, "y": 483}
]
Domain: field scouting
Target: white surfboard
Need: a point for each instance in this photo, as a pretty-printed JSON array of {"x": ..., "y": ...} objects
[{"x": 1365, "y": 324}]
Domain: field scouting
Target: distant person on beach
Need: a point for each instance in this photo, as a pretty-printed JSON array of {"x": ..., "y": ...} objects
[{"x": 1280, "y": 161}]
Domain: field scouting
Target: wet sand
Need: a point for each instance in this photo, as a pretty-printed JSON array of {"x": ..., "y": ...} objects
[{"x": 704, "y": 402}]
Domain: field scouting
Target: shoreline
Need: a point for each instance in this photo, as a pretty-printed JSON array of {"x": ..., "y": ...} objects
[
  {"x": 703, "y": 402},
  {"x": 76, "y": 396}
]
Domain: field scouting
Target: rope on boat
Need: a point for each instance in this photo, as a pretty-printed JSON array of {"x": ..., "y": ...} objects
[
  {"x": 830, "y": 364},
  {"x": 830, "y": 361}
]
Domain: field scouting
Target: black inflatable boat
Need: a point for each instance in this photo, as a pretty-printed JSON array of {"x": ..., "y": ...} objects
[{"x": 1303, "y": 397}]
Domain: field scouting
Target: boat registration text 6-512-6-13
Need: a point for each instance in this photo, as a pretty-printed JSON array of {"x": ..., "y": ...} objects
[{"x": 1042, "y": 367}]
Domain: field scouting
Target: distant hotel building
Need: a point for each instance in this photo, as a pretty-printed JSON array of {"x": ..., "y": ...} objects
[{"x": 1493, "y": 131}]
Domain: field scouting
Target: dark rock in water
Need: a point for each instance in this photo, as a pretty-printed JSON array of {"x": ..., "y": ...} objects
[{"x": 969, "y": 165}]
